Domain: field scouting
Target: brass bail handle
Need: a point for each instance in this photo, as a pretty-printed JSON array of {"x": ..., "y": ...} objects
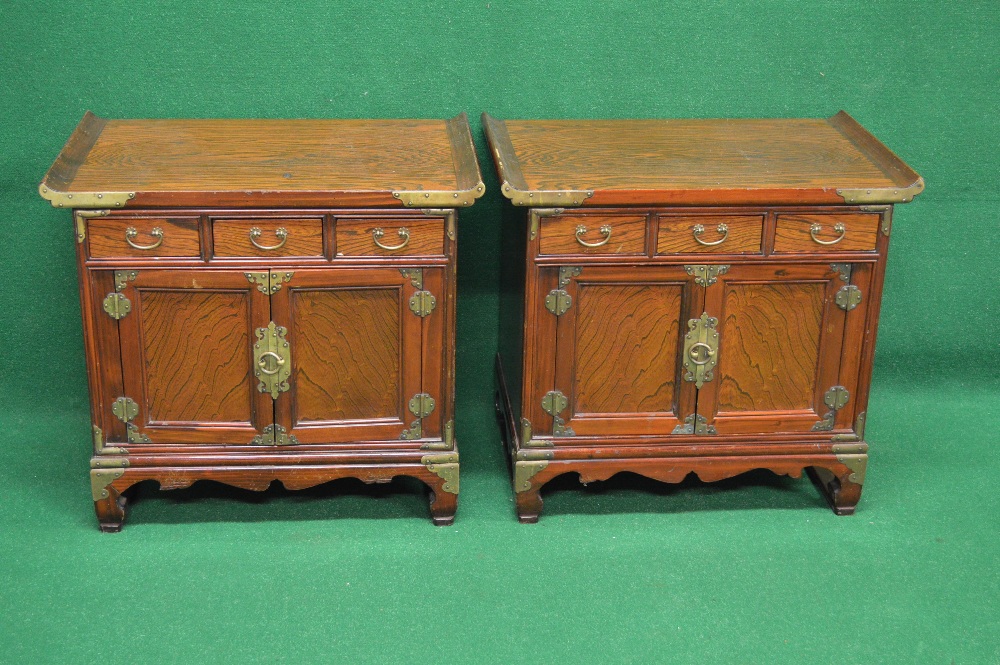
[
  {"x": 696, "y": 356},
  {"x": 262, "y": 363},
  {"x": 379, "y": 233},
  {"x": 698, "y": 229},
  {"x": 281, "y": 234},
  {"x": 605, "y": 231},
  {"x": 131, "y": 233},
  {"x": 838, "y": 228}
]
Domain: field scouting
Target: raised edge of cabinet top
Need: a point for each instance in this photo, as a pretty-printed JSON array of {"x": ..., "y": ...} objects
[
  {"x": 560, "y": 163},
  {"x": 266, "y": 163}
]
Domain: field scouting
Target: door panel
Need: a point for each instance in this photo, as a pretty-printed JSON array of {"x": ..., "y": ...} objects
[
  {"x": 779, "y": 347},
  {"x": 617, "y": 350},
  {"x": 355, "y": 351},
  {"x": 187, "y": 356}
]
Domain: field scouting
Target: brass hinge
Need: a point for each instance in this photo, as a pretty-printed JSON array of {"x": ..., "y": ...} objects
[
  {"x": 117, "y": 305},
  {"x": 695, "y": 424},
  {"x": 559, "y": 301},
  {"x": 272, "y": 360},
  {"x": 706, "y": 275},
  {"x": 81, "y": 216},
  {"x": 554, "y": 403},
  {"x": 125, "y": 409},
  {"x": 422, "y": 303},
  {"x": 445, "y": 466},
  {"x": 701, "y": 346},
  {"x": 421, "y": 405},
  {"x": 835, "y": 398},
  {"x": 269, "y": 282},
  {"x": 415, "y": 275},
  {"x": 274, "y": 435},
  {"x": 842, "y": 269},
  {"x": 848, "y": 297}
]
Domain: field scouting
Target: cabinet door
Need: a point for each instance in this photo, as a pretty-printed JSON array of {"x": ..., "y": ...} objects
[
  {"x": 617, "y": 350},
  {"x": 187, "y": 358},
  {"x": 780, "y": 335},
  {"x": 355, "y": 354}
]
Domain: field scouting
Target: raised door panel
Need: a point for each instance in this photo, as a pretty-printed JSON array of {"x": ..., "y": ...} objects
[
  {"x": 779, "y": 348},
  {"x": 187, "y": 356},
  {"x": 355, "y": 350},
  {"x": 617, "y": 351}
]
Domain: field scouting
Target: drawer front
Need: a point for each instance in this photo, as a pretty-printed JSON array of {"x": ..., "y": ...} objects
[
  {"x": 143, "y": 237},
  {"x": 390, "y": 237},
  {"x": 797, "y": 234},
  {"x": 268, "y": 237},
  {"x": 593, "y": 234},
  {"x": 710, "y": 234}
]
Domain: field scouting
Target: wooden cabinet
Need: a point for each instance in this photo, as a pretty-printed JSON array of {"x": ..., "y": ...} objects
[
  {"x": 691, "y": 297},
  {"x": 260, "y": 303}
]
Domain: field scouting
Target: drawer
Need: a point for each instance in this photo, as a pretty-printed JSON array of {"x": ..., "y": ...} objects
[
  {"x": 390, "y": 237},
  {"x": 593, "y": 234},
  {"x": 268, "y": 237},
  {"x": 710, "y": 234},
  {"x": 140, "y": 237},
  {"x": 797, "y": 234}
]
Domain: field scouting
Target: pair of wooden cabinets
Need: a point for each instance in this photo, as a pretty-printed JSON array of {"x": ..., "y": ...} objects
[{"x": 275, "y": 300}]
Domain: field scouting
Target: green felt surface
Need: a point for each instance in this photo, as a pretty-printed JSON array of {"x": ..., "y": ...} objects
[{"x": 755, "y": 569}]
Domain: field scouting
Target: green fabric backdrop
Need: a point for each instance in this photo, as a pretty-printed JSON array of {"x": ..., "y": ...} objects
[{"x": 750, "y": 570}]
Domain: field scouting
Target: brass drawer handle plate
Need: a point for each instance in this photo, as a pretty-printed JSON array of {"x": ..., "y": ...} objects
[
  {"x": 131, "y": 233},
  {"x": 281, "y": 234},
  {"x": 838, "y": 228},
  {"x": 404, "y": 233},
  {"x": 605, "y": 231},
  {"x": 698, "y": 229}
]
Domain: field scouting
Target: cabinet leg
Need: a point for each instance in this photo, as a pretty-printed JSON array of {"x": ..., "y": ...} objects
[
  {"x": 529, "y": 505},
  {"x": 842, "y": 490},
  {"x": 111, "y": 511},
  {"x": 443, "y": 507}
]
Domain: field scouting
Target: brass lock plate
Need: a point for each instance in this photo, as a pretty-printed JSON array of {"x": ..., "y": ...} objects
[
  {"x": 272, "y": 360},
  {"x": 701, "y": 349}
]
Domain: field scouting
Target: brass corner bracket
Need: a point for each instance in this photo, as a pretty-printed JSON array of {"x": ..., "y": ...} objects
[
  {"x": 100, "y": 479},
  {"x": 524, "y": 471},
  {"x": 438, "y": 199},
  {"x": 545, "y": 199},
  {"x": 444, "y": 466},
  {"x": 81, "y": 217},
  {"x": 84, "y": 199},
  {"x": 883, "y": 194},
  {"x": 855, "y": 457}
]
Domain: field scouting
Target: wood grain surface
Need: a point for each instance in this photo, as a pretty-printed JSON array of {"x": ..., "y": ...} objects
[
  {"x": 196, "y": 349},
  {"x": 232, "y": 237},
  {"x": 348, "y": 354},
  {"x": 792, "y": 233},
  {"x": 628, "y": 234},
  {"x": 769, "y": 348},
  {"x": 626, "y": 326},
  {"x": 106, "y": 236},
  {"x": 675, "y": 234},
  {"x": 355, "y": 237},
  {"x": 691, "y": 162}
]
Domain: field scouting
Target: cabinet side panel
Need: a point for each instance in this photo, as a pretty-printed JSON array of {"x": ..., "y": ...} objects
[
  {"x": 771, "y": 343},
  {"x": 513, "y": 239}
]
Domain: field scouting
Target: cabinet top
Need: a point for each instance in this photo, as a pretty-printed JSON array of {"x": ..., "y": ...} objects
[
  {"x": 557, "y": 163},
  {"x": 266, "y": 163}
]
